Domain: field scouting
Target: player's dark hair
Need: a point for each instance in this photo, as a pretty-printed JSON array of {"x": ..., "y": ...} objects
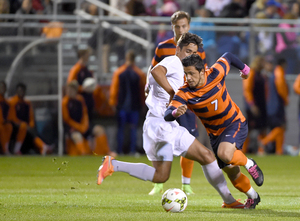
[
  {"x": 180, "y": 15},
  {"x": 82, "y": 52},
  {"x": 188, "y": 38},
  {"x": 193, "y": 60},
  {"x": 21, "y": 85}
]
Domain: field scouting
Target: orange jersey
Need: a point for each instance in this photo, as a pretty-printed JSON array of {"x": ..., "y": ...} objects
[
  {"x": 75, "y": 113},
  {"x": 296, "y": 85},
  {"x": 168, "y": 48},
  {"x": 211, "y": 102},
  {"x": 21, "y": 111}
]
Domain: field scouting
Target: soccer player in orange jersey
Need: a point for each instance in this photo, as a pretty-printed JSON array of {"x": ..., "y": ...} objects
[
  {"x": 180, "y": 21},
  {"x": 205, "y": 93},
  {"x": 21, "y": 113}
]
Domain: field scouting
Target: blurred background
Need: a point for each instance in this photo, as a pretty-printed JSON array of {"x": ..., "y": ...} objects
[{"x": 39, "y": 41}]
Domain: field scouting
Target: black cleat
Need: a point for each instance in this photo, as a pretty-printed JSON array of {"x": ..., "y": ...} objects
[
  {"x": 251, "y": 203},
  {"x": 256, "y": 174}
]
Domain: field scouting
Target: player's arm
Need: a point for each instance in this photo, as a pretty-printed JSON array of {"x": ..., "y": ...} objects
[
  {"x": 31, "y": 115},
  {"x": 73, "y": 75},
  {"x": 114, "y": 89},
  {"x": 12, "y": 114},
  {"x": 236, "y": 62},
  {"x": 85, "y": 118},
  {"x": 248, "y": 86},
  {"x": 296, "y": 85},
  {"x": 281, "y": 85},
  {"x": 159, "y": 75},
  {"x": 177, "y": 107}
]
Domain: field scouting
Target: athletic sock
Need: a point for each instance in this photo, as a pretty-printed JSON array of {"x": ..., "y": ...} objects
[
  {"x": 101, "y": 145},
  {"x": 252, "y": 193},
  {"x": 139, "y": 170},
  {"x": 238, "y": 159},
  {"x": 242, "y": 183},
  {"x": 215, "y": 177},
  {"x": 18, "y": 146},
  {"x": 185, "y": 180}
]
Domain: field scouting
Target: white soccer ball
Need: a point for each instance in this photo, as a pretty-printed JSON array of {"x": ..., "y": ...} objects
[
  {"x": 89, "y": 84},
  {"x": 174, "y": 200}
]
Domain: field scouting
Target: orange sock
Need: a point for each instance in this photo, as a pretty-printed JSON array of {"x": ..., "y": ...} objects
[
  {"x": 238, "y": 159},
  {"x": 5, "y": 134},
  {"x": 39, "y": 143},
  {"x": 279, "y": 142},
  {"x": 187, "y": 166},
  {"x": 21, "y": 132},
  {"x": 101, "y": 145},
  {"x": 277, "y": 135},
  {"x": 242, "y": 183}
]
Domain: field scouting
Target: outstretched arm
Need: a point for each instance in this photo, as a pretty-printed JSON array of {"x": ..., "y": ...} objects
[{"x": 236, "y": 62}]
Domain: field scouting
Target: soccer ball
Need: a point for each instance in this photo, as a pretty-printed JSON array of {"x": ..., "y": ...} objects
[
  {"x": 89, "y": 84},
  {"x": 174, "y": 200}
]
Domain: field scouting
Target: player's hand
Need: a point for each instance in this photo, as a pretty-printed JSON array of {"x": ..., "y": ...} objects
[
  {"x": 244, "y": 76},
  {"x": 255, "y": 110},
  {"x": 181, "y": 110}
]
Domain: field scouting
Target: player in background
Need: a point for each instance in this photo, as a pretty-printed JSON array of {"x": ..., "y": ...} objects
[
  {"x": 162, "y": 139},
  {"x": 80, "y": 72},
  {"x": 277, "y": 100},
  {"x": 255, "y": 93},
  {"x": 77, "y": 126},
  {"x": 205, "y": 93},
  {"x": 180, "y": 21},
  {"x": 21, "y": 114}
]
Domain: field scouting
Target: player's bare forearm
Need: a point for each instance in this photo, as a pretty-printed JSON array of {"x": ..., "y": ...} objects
[{"x": 159, "y": 75}]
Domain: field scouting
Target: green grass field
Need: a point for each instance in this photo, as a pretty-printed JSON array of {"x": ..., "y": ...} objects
[{"x": 64, "y": 188}]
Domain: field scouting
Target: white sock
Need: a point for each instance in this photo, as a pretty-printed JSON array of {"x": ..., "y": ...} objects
[
  {"x": 252, "y": 193},
  {"x": 249, "y": 164},
  {"x": 17, "y": 147},
  {"x": 185, "y": 180},
  {"x": 139, "y": 170},
  {"x": 215, "y": 177}
]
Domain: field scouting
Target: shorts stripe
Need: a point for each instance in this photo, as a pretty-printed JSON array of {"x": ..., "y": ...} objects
[{"x": 237, "y": 130}]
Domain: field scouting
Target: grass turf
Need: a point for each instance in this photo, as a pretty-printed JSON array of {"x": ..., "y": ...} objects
[{"x": 64, "y": 188}]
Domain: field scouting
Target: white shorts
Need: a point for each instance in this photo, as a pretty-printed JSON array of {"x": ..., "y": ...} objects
[{"x": 157, "y": 132}]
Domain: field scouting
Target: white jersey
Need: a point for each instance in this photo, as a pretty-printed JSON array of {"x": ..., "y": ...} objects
[
  {"x": 158, "y": 99},
  {"x": 156, "y": 131}
]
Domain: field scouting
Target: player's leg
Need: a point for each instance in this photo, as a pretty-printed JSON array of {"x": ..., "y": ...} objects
[
  {"x": 122, "y": 118},
  {"x": 5, "y": 134},
  {"x": 242, "y": 183},
  {"x": 80, "y": 143},
  {"x": 277, "y": 135},
  {"x": 186, "y": 171},
  {"x": 21, "y": 131},
  {"x": 159, "y": 173},
  {"x": 212, "y": 172},
  {"x": 229, "y": 150}
]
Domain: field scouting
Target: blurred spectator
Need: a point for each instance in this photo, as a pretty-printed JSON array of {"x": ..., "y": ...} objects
[
  {"x": 235, "y": 9},
  {"x": 255, "y": 92},
  {"x": 163, "y": 34},
  {"x": 80, "y": 72},
  {"x": 216, "y": 6},
  {"x": 151, "y": 7},
  {"x": 273, "y": 9},
  {"x": 286, "y": 45},
  {"x": 277, "y": 100},
  {"x": 6, "y": 31},
  {"x": 53, "y": 29},
  {"x": 26, "y": 9},
  {"x": 118, "y": 4},
  {"x": 77, "y": 127},
  {"x": 256, "y": 7},
  {"x": 208, "y": 37},
  {"x": 127, "y": 95},
  {"x": 169, "y": 7},
  {"x": 135, "y": 8},
  {"x": 20, "y": 113},
  {"x": 266, "y": 42},
  {"x": 4, "y": 8}
]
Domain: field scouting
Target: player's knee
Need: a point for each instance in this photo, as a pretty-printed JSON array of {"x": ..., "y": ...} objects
[
  {"x": 98, "y": 130},
  {"x": 76, "y": 137},
  {"x": 225, "y": 151},
  {"x": 233, "y": 172},
  {"x": 161, "y": 177}
]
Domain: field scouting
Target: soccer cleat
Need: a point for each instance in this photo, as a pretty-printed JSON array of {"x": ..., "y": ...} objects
[
  {"x": 187, "y": 189},
  {"x": 106, "y": 169},
  {"x": 158, "y": 188},
  {"x": 234, "y": 205},
  {"x": 251, "y": 203},
  {"x": 256, "y": 173}
]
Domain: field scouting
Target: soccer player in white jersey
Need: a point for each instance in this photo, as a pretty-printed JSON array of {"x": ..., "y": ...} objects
[{"x": 161, "y": 139}]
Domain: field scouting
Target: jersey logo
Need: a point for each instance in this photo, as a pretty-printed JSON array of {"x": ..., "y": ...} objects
[{"x": 219, "y": 86}]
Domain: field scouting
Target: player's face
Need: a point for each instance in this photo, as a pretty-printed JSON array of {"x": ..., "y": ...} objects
[
  {"x": 186, "y": 50},
  {"x": 21, "y": 92},
  {"x": 180, "y": 27},
  {"x": 194, "y": 77},
  {"x": 71, "y": 92}
]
